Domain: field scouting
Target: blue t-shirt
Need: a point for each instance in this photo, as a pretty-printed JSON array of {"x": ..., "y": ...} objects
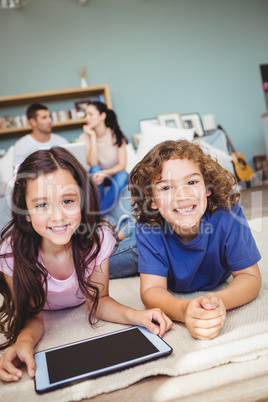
[{"x": 224, "y": 244}]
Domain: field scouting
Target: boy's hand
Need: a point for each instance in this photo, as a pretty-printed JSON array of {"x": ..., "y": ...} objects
[
  {"x": 13, "y": 357},
  {"x": 154, "y": 320},
  {"x": 205, "y": 316},
  {"x": 211, "y": 301}
]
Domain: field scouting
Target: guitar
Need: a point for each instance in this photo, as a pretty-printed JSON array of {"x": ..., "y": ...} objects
[{"x": 242, "y": 169}]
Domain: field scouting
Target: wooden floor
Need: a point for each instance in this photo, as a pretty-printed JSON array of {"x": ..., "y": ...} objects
[{"x": 254, "y": 202}]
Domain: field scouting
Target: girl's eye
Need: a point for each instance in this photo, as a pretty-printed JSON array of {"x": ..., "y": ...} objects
[
  {"x": 42, "y": 205},
  {"x": 67, "y": 202},
  {"x": 166, "y": 188}
]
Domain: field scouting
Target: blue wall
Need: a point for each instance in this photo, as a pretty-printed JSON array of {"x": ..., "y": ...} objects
[{"x": 157, "y": 56}]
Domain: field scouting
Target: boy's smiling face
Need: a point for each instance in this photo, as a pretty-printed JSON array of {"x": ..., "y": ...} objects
[{"x": 181, "y": 197}]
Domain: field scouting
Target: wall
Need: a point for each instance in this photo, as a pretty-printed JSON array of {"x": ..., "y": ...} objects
[{"x": 157, "y": 56}]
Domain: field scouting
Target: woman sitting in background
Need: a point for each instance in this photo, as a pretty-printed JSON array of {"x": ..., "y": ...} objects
[{"x": 106, "y": 152}]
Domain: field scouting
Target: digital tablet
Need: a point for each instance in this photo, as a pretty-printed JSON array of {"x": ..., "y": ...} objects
[{"x": 63, "y": 365}]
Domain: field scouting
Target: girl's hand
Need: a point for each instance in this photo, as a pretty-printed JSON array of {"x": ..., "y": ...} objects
[
  {"x": 154, "y": 320},
  {"x": 13, "y": 357},
  {"x": 205, "y": 316},
  {"x": 87, "y": 130}
]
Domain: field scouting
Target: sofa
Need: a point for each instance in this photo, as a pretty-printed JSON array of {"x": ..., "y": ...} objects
[{"x": 151, "y": 134}]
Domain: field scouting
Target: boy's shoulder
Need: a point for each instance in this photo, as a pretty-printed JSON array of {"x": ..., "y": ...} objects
[
  {"x": 225, "y": 221},
  {"x": 155, "y": 234},
  {"x": 146, "y": 229},
  {"x": 224, "y": 215}
]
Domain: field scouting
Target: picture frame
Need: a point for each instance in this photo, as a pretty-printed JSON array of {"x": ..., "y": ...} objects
[
  {"x": 193, "y": 120},
  {"x": 173, "y": 120},
  {"x": 81, "y": 106}
]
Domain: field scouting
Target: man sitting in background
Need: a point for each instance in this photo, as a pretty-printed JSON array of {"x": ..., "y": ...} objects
[{"x": 39, "y": 118}]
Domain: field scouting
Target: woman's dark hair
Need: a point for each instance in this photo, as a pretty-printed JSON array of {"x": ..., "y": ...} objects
[
  {"x": 111, "y": 122},
  {"x": 29, "y": 275},
  {"x": 221, "y": 182}
]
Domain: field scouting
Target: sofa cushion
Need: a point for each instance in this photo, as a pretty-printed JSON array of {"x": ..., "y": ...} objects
[
  {"x": 6, "y": 170},
  {"x": 153, "y": 134}
]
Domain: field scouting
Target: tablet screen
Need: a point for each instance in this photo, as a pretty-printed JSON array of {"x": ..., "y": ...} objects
[{"x": 86, "y": 357}]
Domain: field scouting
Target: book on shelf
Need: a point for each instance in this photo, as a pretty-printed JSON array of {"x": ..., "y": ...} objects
[{"x": 10, "y": 121}]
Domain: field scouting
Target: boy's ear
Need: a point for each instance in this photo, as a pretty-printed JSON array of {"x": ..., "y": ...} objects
[{"x": 152, "y": 204}]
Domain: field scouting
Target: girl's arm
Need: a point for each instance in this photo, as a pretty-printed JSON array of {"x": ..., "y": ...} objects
[
  {"x": 244, "y": 287},
  {"x": 22, "y": 350},
  {"x": 89, "y": 138},
  {"x": 110, "y": 310}
]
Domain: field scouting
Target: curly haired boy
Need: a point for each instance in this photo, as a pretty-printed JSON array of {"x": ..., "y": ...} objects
[{"x": 192, "y": 235}]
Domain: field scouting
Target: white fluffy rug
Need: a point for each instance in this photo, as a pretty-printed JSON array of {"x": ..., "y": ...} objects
[{"x": 243, "y": 338}]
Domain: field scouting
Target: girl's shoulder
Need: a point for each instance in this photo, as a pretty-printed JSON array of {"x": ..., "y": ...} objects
[
  {"x": 108, "y": 243},
  {"x": 105, "y": 233},
  {"x": 6, "y": 257},
  {"x": 6, "y": 246}
]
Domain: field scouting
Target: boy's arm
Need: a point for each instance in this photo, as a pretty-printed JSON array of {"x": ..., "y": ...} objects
[
  {"x": 244, "y": 287},
  {"x": 202, "y": 323},
  {"x": 154, "y": 293}
]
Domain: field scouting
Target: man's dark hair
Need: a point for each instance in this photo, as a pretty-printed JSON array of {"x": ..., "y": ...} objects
[{"x": 32, "y": 110}]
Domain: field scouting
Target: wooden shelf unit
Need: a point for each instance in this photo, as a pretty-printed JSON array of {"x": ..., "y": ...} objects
[{"x": 63, "y": 94}]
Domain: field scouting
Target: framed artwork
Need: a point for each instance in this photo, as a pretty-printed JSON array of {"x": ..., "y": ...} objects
[
  {"x": 81, "y": 105},
  {"x": 193, "y": 120},
  {"x": 173, "y": 120}
]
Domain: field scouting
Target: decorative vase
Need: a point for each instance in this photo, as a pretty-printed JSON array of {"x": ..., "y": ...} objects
[{"x": 83, "y": 82}]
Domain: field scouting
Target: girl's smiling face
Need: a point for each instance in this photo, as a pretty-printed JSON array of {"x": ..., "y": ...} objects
[
  {"x": 181, "y": 197},
  {"x": 53, "y": 202}
]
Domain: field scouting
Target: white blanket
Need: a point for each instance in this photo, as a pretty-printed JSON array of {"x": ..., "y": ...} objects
[{"x": 243, "y": 338}]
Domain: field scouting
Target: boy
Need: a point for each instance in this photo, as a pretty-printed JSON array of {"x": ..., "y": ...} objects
[{"x": 191, "y": 235}]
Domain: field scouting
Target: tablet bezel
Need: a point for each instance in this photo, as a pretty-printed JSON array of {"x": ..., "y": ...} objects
[{"x": 42, "y": 383}]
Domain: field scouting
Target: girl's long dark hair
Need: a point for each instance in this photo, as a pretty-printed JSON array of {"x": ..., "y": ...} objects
[
  {"x": 111, "y": 122},
  {"x": 28, "y": 296}
]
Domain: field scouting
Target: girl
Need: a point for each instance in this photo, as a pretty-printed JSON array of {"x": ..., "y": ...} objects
[
  {"x": 54, "y": 254},
  {"x": 106, "y": 152}
]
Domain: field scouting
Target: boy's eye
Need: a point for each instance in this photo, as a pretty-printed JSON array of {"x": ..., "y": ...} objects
[
  {"x": 190, "y": 183},
  {"x": 166, "y": 188}
]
